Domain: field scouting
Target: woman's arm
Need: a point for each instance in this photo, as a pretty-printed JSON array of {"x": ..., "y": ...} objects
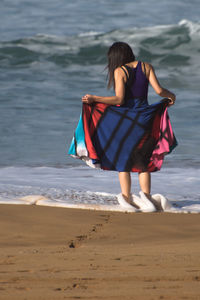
[
  {"x": 118, "y": 99},
  {"x": 158, "y": 88}
]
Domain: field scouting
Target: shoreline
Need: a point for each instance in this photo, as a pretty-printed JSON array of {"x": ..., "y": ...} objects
[{"x": 55, "y": 253}]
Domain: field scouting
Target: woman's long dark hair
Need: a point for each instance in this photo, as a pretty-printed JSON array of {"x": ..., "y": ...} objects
[{"x": 118, "y": 54}]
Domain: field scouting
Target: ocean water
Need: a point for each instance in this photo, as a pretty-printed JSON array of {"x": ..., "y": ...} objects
[{"x": 52, "y": 53}]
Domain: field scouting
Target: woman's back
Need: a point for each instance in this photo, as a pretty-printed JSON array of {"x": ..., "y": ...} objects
[{"x": 137, "y": 83}]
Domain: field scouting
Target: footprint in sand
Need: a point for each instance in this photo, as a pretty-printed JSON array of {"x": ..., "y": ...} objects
[{"x": 95, "y": 228}]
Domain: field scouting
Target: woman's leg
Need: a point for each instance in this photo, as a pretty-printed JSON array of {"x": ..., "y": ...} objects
[
  {"x": 125, "y": 183},
  {"x": 145, "y": 183}
]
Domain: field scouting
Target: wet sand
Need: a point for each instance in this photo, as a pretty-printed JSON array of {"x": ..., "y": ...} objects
[{"x": 57, "y": 253}]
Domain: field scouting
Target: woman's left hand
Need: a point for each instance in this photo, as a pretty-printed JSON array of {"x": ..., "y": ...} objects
[
  {"x": 89, "y": 99},
  {"x": 171, "y": 101}
]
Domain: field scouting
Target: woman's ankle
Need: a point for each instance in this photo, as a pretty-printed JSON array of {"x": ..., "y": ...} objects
[
  {"x": 127, "y": 198},
  {"x": 148, "y": 195}
]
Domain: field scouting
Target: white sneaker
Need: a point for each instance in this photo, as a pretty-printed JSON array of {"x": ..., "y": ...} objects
[
  {"x": 125, "y": 204},
  {"x": 143, "y": 203},
  {"x": 161, "y": 202}
]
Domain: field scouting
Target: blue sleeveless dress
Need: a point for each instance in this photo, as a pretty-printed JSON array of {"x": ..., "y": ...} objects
[{"x": 133, "y": 137}]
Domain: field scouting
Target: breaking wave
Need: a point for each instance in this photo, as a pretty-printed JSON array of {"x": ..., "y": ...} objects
[{"x": 171, "y": 45}]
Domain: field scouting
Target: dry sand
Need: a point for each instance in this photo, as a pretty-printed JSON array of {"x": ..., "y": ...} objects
[{"x": 57, "y": 253}]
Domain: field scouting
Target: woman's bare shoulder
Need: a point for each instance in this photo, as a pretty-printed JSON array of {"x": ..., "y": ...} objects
[
  {"x": 120, "y": 72},
  {"x": 146, "y": 68},
  {"x": 147, "y": 65}
]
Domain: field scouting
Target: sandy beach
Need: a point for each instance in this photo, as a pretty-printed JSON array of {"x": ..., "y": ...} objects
[{"x": 58, "y": 253}]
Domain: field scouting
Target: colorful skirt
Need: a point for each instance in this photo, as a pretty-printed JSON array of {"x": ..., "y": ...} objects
[{"x": 124, "y": 139}]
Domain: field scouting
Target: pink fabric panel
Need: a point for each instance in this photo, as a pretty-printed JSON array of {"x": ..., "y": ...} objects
[{"x": 165, "y": 142}]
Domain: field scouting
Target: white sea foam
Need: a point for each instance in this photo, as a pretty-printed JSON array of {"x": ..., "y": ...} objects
[{"x": 90, "y": 33}]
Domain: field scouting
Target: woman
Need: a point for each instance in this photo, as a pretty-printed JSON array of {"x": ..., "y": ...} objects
[{"x": 123, "y": 132}]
